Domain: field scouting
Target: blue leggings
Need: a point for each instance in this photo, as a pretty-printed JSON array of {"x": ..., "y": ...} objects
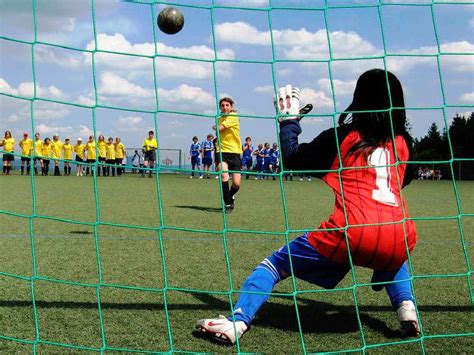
[{"x": 310, "y": 266}]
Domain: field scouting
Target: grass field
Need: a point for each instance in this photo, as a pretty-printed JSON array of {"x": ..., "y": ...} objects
[{"x": 137, "y": 262}]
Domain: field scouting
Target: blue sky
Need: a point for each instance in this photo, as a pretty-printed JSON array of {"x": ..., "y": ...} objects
[{"x": 189, "y": 86}]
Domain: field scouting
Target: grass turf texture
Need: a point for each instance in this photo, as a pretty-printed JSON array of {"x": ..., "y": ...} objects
[{"x": 135, "y": 318}]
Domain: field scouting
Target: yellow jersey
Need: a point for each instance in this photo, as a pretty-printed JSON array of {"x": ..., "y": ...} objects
[
  {"x": 150, "y": 144},
  {"x": 119, "y": 150},
  {"x": 79, "y": 150},
  {"x": 47, "y": 150},
  {"x": 26, "y": 146},
  {"x": 38, "y": 148},
  {"x": 8, "y": 144},
  {"x": 230, "y": 135},
  {"x": 110, "y": 151},
  {"x": 90, "y": 150},
  {"x": 101, "y": 148},
  {"x": 67, "y": 148},
  {"x": 56, "y": 149}
]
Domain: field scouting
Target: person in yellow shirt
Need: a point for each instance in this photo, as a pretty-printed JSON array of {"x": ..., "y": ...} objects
[
  {"x": 120, "y": 153},
  {"x": 79, "y": 149},
  {"x": 90, "y": 155},
  {"x": 67, "y": 149},
  {"x": 47, "y": 153},
  {"x": 230, "y": 146},
  {"x": 38, "y": 152},
  {"x": 26, "y": 145},
  {"x": 8, "y": 144},
  {"x": 150, "y": 145},
  {"x": 110, "y": 155},
  {"x": 56, "y": 150},
  {"x": 102, "y": 154}
]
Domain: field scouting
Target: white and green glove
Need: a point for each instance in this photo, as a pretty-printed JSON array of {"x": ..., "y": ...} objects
[{"x": 287, "y": 104}]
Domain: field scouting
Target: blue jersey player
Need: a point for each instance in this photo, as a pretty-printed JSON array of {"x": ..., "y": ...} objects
[
  {"x": 274, "y": 160},
  {"x": 207, "y": 147},
  {"x": 266, "y": 158},
  {"x": 259, "y": 161},
  {"x": 247, "y": 160},
  {"x": 194, "y": 152}
]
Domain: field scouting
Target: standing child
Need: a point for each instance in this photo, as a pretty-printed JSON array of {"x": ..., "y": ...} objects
[
  {"x": 47, "y": 153},
  {"x": 231, "y": 147},
  {"x": 217, "y": 156},
  {"x": 259, "y": 162},
  {"x": 372, "y": 147},
  {"x": 274, "y": 160},
  {"x": 266, "y": 160},
  {"x": 90, "y": 155},
  {"x": 79, "y": 149},
  {"x": 207, "y": 147},
  {"x": 8, "y": 144},
  {"x": 135, "y": 161},
  {"x": 38, "y": 152},
  {"x": 56, "y": 150},
  {"x": 247, "y": 151},
  {"x": 67, "y": 148},
  {"x": 194, "y": 153},
  {"x": 150, "y": 146},
  {"x": 110, "y": 155},
  {"x": 102, "y": 155},
  {"x": 26, "y": 145},
  {"x": 120, "y": 153}
]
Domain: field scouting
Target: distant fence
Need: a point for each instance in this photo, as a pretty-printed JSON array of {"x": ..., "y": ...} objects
[{"x": 171, "y": 158}]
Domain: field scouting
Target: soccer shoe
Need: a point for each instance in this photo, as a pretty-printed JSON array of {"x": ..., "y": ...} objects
[
  {"x": 201, "y": 177},
  {"x": 221, "y": 329},
  {"x": 406, "y": 315}
]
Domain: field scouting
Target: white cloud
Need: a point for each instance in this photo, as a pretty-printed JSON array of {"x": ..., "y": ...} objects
[
  {"x": 341, "y": 88},
  {"x": 467, "y": 98},
  {"x": 85, "y": 100},
  {"x": 266, "y": 89},
  {"x": 317, "y": 98},
  {"x": 129, "y": 120},
  {"x": 167, "y": 67},
  {"x": 114, "y": 85},
  {"x": 26, "y": 89},
  {"x": 45, "y": 129},
  {"x": 173, "y": 124},
  {"x": 85, "y": 131},
  {"x": 186, "y": 95},
  {"x": 50, "y": 55}
]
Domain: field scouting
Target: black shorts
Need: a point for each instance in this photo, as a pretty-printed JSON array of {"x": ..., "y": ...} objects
[
  {"x": 79, "y": 159},
  {"x": 90, "y": 161},
  {"x": 150, "y": 155},
  {"x": 25, "y": 159},
  {"x": 233, "y": 160},
  {"x": 118, "y": 161},
  {"x": 46, "y": 161},
  {"x": 102, "y": 159},
  {"x": 8, "y": 157},
  {"x": 217, "y": 158}
]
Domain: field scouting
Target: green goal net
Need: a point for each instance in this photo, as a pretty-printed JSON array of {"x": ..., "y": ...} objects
[{"x": 108, "y": 315}]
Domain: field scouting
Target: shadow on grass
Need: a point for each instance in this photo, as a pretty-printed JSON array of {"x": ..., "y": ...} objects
[
  {"x": 315, "y": 316},
  {"x": 201, "y": 208}
]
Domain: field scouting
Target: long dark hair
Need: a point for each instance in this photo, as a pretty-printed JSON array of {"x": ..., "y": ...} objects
[{"x": 373, "y": 94}]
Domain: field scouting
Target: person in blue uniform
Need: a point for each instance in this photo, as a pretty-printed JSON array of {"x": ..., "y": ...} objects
[
  {"x": 207, "y": 147},
  {"x": 247, "y": 160},
  {"x": 259, "y": 162},
  {"x": 274, "y": 160},
  {"x": 194, "y": 152}
]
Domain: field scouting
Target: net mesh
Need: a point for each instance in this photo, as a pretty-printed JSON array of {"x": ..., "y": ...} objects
[{"x": 164, "y": 167}]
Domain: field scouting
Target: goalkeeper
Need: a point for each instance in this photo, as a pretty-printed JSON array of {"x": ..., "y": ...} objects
[{"x": 368, "y": 222}]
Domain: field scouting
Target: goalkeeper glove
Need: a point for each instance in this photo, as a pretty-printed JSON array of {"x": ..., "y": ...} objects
[{"x": 287, "y": 104}]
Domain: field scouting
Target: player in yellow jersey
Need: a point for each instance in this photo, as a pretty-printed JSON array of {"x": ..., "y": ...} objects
[
  {"x": 38, "y": 152},
  {"x": 90, "y": 155},
  {"x": 110, "y": 155},
  {"x": 150, "y": 145},
  {"x": 79, "y": 149},
  {"x": 26, "y": 145},
  {"x": 56, "y": 150},
  {"x": 47, "y": 152},
  {"x": 102, "y": 154},
  {"x": 120, "y": 153},
  {"x": 8, "y": 144},
  {"x": 67, "y": 149},
  {"x": 230, "y": 147}
]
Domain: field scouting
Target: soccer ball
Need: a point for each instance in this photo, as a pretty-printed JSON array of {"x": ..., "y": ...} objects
[{"x": 170, "y": 20}]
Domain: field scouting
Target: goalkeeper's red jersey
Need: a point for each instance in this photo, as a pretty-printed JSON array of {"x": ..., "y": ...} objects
[{"x": 369, "y": 209}]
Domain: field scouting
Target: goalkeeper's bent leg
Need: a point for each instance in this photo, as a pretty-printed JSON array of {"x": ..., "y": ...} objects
[
  {"x": 262, "y": 279},
  {"x": 400, "y": 291}
]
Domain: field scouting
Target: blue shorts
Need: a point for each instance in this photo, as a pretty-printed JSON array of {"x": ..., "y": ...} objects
[
  {"x": 307, "y": 264},
  {"x": 247, "y": 161},
  {"x": 195, "y": 160},
  {"x": 207, "y": 161},
  {"x": 259, "y": 166}
]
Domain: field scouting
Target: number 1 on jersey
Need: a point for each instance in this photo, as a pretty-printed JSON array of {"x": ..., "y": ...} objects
[{"x": 380, "y": 159}]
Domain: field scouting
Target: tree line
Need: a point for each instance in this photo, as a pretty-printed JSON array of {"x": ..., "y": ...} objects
[{"x": 455, "y": 142}]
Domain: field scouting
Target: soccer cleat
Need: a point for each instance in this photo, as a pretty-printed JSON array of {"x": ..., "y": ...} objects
[
  {"x": 217, "y": 177},
  {"x": 221, "y": 329},
  {"x": 201, "y": 177},
  {"x": 190, "y": 177},
  {"x": 406, "y": 315}
]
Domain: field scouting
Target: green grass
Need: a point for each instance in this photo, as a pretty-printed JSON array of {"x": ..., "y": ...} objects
[{"x": 133, "y": 310}]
